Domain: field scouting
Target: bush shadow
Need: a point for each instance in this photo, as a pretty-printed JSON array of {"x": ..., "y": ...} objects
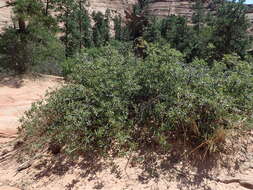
[
  {"x": 178, "y": 164},
  {"x": 154, "y": 164},
  {"x": 60, "y": 164},
  {"x": 11, "y": 81}
]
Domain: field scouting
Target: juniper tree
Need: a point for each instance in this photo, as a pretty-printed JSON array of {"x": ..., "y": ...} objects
[
  {"x": 230, "y": 28},
  {"x": 101, "y": 28},
  {"x": 176, "y": 31},
  {"x": 76, "y": 24},
  {"x": 152, "y": 32},
  {"x": 32, "y": 39},
  {"x": 118, "y": 27},
  {"x": 198, "y": 17}
]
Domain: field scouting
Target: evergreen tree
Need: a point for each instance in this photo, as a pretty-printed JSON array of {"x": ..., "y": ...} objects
[
  {"x": 68, "y": 16},
  {"x": 107, "y": 25},
  {"x": 28, "y": 11},
  {"x": 76, "y": 24},
  {"x": 201, "y": 45},
  {"x": 86, "y": 29},
  {"x": 230, "y": 29},
  {"x": 126, "y": 33},
  {"x": 118, "y": 28},
  {"x": 202, "y": 32},
  {"x": 101, "y": 28},
  {"x": 136, "y": 20},
  {"x": 84, "y": 26},
  {"x": 32, "y": 39},
  {"x": 152, "y": 32},
  {"x": 176, "y": 31},
  {"x": 198, "y": 17}
]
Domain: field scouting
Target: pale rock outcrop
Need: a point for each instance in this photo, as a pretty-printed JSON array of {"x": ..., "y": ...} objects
[
  {"x": 170, "y": 7},
  {"x": 5, "y": 14},
  {"x": 117, "y": 6}
]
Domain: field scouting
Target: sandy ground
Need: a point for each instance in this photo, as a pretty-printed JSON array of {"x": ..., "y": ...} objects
[
  {"x": 172, "y": 172},
  {"x": 16, "y": 96},
  {"x": 233, "y": 171}
]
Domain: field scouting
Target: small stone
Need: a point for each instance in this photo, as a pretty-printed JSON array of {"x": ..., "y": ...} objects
[{"x": 24, "y": 166}]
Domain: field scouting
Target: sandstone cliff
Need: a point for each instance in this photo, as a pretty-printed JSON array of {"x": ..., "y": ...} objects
[
  {"x": 179, "y": 7},
  {"x": 250, "y": 13},
  {"x": 5, "y": 14},
  {"x": 155, "y": 7},
  {"x": 169, "y": 7},
  {"x": 117, "y": 6}
]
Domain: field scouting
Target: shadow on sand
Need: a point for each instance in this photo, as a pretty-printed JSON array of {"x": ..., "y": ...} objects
[
  {"x": 11, "y": 81},
  {"x": 153, "y": 164}
]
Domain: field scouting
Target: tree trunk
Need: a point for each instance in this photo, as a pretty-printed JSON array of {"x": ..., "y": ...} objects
[
  {"x": 21, "y": 25},
  {"x": 47, "y": 7},
  {"x": 80, "y": 24}
]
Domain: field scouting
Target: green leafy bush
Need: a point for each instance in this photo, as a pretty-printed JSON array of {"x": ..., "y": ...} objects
[
  {"x": 119, "y": 102},
  {"x": 89, "y": 54}
]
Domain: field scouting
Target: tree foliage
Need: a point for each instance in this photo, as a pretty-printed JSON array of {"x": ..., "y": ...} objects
[
  {"x": 199, "y": 15},
  {"x": 118, "y": 27},
  {"x": 231, "y": 29},
  {"x": 101, "y": 28},
  {"x": 31, "y": 40},
  {"x": 76, "y": 24}
]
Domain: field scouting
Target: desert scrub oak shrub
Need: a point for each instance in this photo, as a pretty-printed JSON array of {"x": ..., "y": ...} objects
[
  {"x": 119, "y": 102},
  {"x": 88, "y": 54}
]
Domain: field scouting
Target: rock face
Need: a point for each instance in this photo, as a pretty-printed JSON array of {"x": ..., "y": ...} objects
[
  {"x": 170, "y": 7},
  {"x": 5, "y": 14},
  {"x": 155, "y": 7},
  {"x": 250, "y": 16},
  {"x": 179, "y": 7},
  {"x": 117, "y": 6}
]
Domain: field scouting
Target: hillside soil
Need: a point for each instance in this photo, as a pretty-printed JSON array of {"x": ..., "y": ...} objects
[{"x": 177, "y": 169}]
